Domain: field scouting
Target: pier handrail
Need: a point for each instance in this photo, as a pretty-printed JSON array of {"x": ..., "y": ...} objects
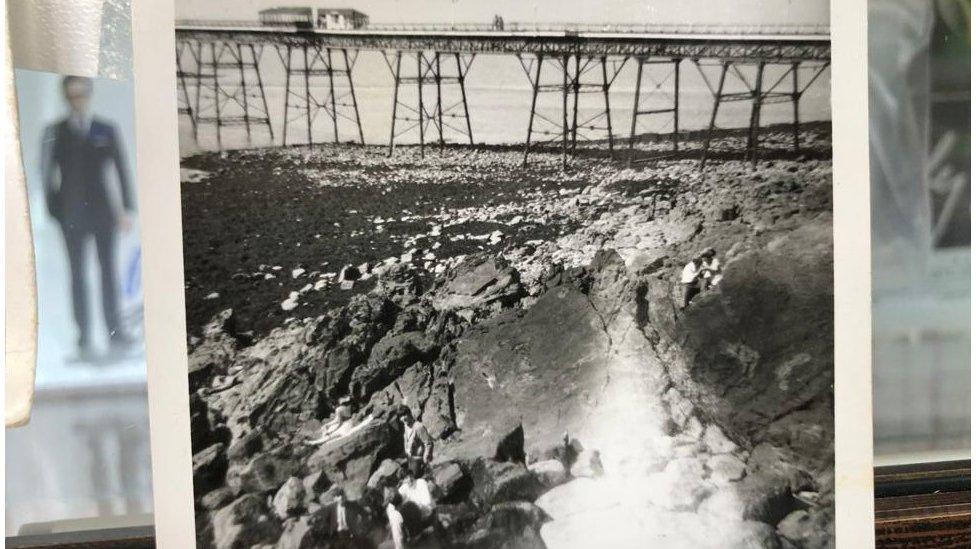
[{"x": 517, "y": 27}]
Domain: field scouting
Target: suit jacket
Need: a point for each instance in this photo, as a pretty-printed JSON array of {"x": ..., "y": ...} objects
[{"x": 81, "y": 197}]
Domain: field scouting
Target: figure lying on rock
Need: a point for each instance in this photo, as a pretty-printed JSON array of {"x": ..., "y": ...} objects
[
  {"x": 699, "y": 274},
  {"x": 342, "y": 424}
]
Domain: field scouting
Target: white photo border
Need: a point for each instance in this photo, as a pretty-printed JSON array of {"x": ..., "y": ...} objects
[{"x": 157, "y": 153}]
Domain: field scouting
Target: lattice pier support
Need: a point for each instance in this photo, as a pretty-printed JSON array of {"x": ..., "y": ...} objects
[
  {"x": 431, "y": 71},
  {"x": 229, "y": 88},
  {"x": 669, "y": 108},
  {"x": 184, "y": 105},
  {"x": 319, "y": 81},
  {"x": 570, "y": 80},
  {"x": 754, "y": 77}
]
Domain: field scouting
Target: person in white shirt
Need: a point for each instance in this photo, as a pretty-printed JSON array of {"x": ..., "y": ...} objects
[
  {"x": 701, "y": 273},
  {"x": 416, "y": 490},
  {"x": 690, "y": 281}
]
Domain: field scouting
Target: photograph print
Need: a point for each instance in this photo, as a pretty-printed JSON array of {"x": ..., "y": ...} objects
[{"x": 508, "y": 274}]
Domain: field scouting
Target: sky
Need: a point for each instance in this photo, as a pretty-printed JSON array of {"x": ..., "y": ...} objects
[{"x": 731, "y": 12}]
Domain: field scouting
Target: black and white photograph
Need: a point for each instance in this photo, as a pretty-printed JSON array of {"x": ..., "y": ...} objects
[{"x": 508, "y": 274}]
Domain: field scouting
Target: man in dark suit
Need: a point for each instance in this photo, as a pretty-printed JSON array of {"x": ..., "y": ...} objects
[{"x": 78, "y": 153}]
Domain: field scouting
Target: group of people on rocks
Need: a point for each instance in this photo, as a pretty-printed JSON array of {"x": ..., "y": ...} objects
[
  {"x": 699, "y": 274},
  {"x": 409, "y": 507}
]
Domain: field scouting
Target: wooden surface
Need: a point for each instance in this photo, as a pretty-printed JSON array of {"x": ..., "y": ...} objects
[
  {"x": 925, "y": 505},
  {"x": 915, "y": 506}
]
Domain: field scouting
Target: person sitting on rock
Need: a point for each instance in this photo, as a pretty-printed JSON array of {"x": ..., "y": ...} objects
[
  {"x": 342, "y": 424},
  {"x": 417, "y": 442},
  {"x": 415, "y": 505},
  {"x": 690, "y": 280},
  {"x": 343, "y": 413},
  {"x": 711, "y": 271},
  {"x": 416, "y": 490}
]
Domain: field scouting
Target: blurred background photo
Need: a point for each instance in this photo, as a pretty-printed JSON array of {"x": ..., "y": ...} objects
[
  {"x": 83, "y": 460},
  {"x": 920, "y": 140}
]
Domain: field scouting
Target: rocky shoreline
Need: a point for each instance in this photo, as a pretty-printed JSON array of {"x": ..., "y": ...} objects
[{"x": 572, "y": 403}]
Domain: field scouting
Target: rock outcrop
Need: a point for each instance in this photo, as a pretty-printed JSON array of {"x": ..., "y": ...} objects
[{"x": 577, "y": 406}]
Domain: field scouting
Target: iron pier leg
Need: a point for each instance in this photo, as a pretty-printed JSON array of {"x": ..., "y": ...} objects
[
  {"x": 440, "y": 112},
  {"x": 606, "y": 103},
  {"x": 752, "y": 150},
  {"x": 711, "y": 122},
  {"x": 213, "y": 54},
  {"x": 565, "y": 107},
  {"x": 576, "y": 90},
  {"x": 308, "y": 97},
  {"x": 186, "y": 95},
  {"x": 677, "y": 89},
  {"x": 332, "y": 100},
  {"x": 264, "y": 98},
  {"x": 464, "y": 97},
  {"x": 247, "y": 114},
  {"x": 420, "y": 101},
  {"x": 396, "y": 93},
  {"x": 633, "y": 119},
  {"x": 535, "y": 96},
  {"x": 199, "y": 60},
  {"x": 284, "y": 123},
  {"x": 352, "y": 92},
  {"x": 796, "y": 107}
]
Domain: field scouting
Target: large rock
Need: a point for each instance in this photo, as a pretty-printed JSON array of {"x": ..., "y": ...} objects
[
  {"x": 388, "y": 474},
  {"x": 755, "y": 354},
  {"x": 246, "y": 446},
  {"x": 206, "y": 424},
  {"x": 389, "y": 358},
  {"x": 550, "y": 472},
  {"x": 296, "y": 533},
  {"x": 315, "y": 485},
  {"x": 509, "y": 525},
  {"x": 265, "y": 473},
  {"x": 725, "y": 468},
  {"x": 275, "y": 390},
  {"x": 496, "y": 482},
  {"x": 716, "y": 442},
  {"x": 452, "y": 482},
  {"x": 214, "y": 352},
  {"x": 539, "y": 370},
  {"x": 243, "y": 524},
  {"x": 351, "y": 460},
  {"x": 290, "y": 498},
  {"x": 209, "y": 468},
  {"x": 808, "y": 528},
  {"x": 413, "y": 388},
  {"x": 475, "y": 285},
  {"x": 758, "y": 497}
]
